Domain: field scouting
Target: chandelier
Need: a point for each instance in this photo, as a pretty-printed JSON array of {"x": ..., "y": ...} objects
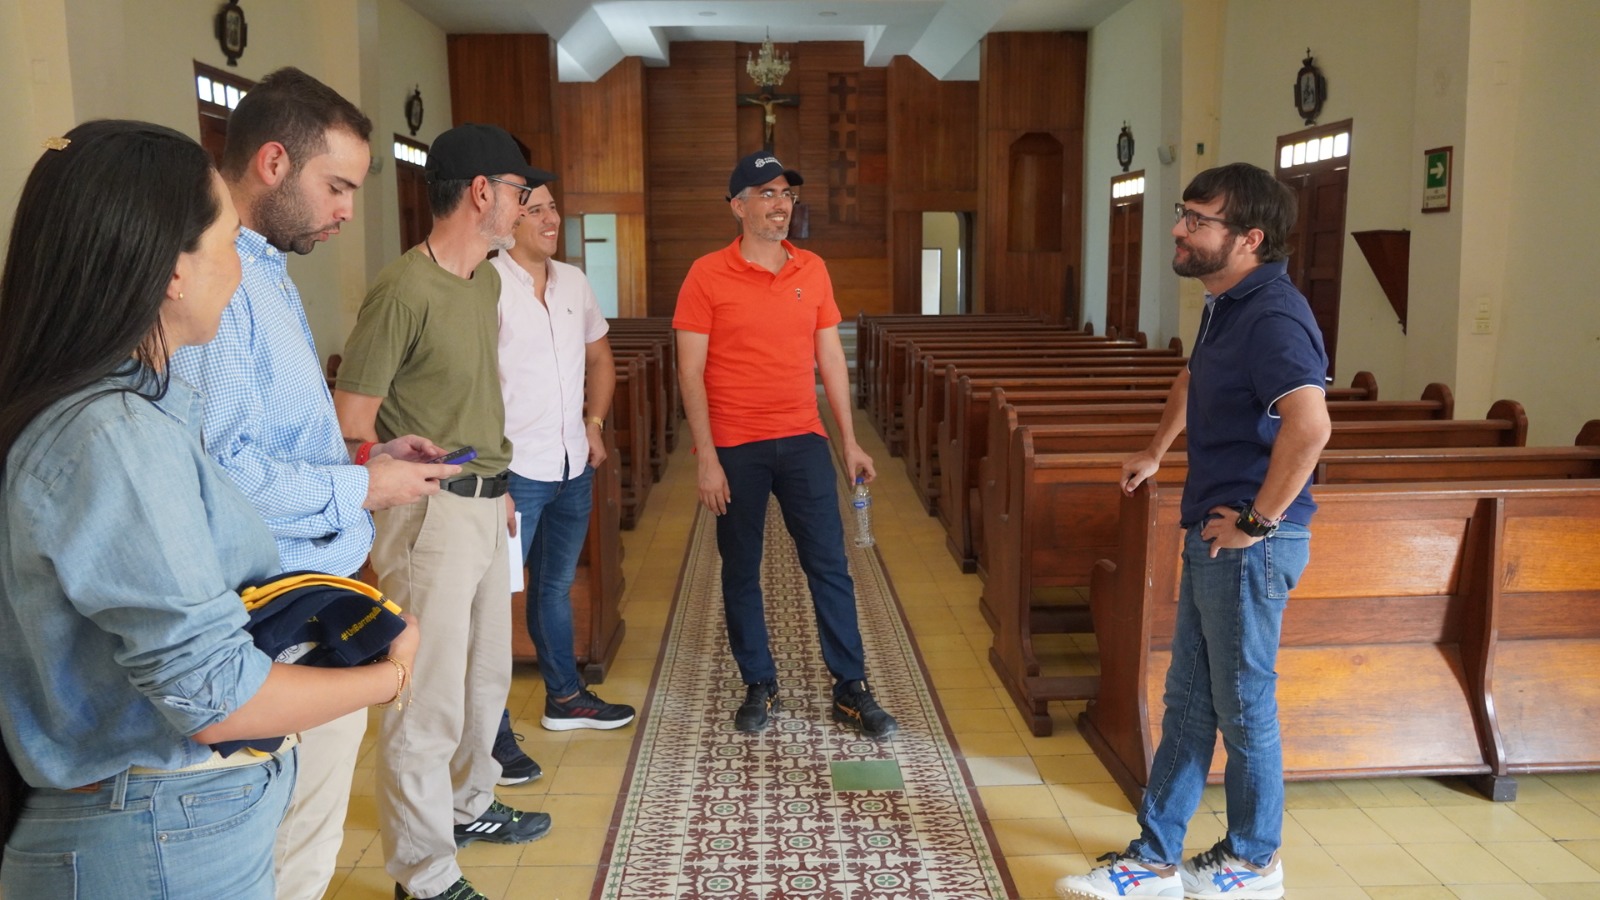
[{"x": 767, "y": 69}]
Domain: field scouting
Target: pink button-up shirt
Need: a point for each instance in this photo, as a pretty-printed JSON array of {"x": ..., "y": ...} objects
[{"x": 542, "y": 352}]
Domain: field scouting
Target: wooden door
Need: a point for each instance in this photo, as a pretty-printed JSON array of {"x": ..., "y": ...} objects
[
  {"x": 411, "y": 183},
  {"x": 1316, "y": 243},
  {"x": 1125, "y": 250}
]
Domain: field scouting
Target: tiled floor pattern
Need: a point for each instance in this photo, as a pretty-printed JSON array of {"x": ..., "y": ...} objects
[
  {"x": 806, "y": 809},
  {"x": 1050, "y": 803}
]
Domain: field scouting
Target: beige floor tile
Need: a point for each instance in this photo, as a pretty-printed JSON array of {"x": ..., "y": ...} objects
[
  {"x": 1381, "y": 864},
  {"x": 1588, "y": 851},
  {"x": 989, "y": 771},
  {"x": 1341, "y": 826},
  {"x": 990, "y": 744},
  {"x": 980, "y": 721},
  {"x": 1035, "y": 876},
  {"x": 970, "y": 698},
  {"x": 553, "y": 882},
  {"x": 1076, "y": 768},
  {"x": 1568, "y": 891},
  {"x": 1543, "y": 862},
  {"x": 1094, "y": 799},
  {"x": 566, "y": 845},
  {"x": 1491, "y": 822},
  {"x": 363, "y": 884},
  {"x": 1018, "y": 802},
  {"x": 1329, "y": 893},
  {"x": 356, "y": 842},
  {"x": 1416, "y": 824},
  {"x": 1104, "y": 834},
  {"x": 1411, "y": 892},
  {"x": 1034, "y": 837},
  {"x": 604, "y": 780},
  {"x": 1312, "y": 867},
  {"x": 580, "y": 810},
  {"x": 1496, "y": 892},
  {"x": 1581, "y": 786},
  {"x": 1462, "y": 864},
  {"x": 1372, "y": 792},
  {"x": 1564, "y": 820},
  {"x": 1315, "y": 795}
]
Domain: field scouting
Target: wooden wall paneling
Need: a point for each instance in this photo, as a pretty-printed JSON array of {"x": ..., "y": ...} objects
[
  {"x": 690, "y": 146},
  {"x": 1032, "y": 85},
  {"x": 507, "y": 80},
  {"x": 602, "y": 132}
]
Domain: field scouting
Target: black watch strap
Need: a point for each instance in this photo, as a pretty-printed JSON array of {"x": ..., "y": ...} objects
[{"x": 1255, "y": 524}]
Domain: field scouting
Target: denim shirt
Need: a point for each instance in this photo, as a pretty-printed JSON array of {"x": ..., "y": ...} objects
[
  {"x": 121, "y": 548},
  {"x": 1258, "y": 342}
]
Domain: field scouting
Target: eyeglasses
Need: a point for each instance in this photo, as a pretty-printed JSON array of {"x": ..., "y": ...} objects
[
  {"x": 770, "y": 194},
  {"x": 526, "y": 191},
  {"x": 1192, "y": 219}
]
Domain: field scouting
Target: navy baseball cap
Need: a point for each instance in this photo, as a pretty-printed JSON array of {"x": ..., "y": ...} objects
[
  {"x": 759, "y": 167},
  {"x": 467, "y": 151}
]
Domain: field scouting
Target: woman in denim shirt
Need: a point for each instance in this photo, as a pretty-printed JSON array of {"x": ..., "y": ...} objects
[{"x": 123, "y": 653}]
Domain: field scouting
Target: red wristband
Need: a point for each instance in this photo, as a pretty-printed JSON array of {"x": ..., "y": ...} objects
[{"x": 364, "y": 452}]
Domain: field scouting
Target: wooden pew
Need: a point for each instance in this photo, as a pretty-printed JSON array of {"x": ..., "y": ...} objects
[
  {"x": 924, "y": 401},
  {"x": 1440, "y": 629},
  {"x": 597, "y": 624},
  {"x": 886, "y": 389},
  {"x": 962, "y": 436},
  {"x": 651, "y": 353},
  {"x": 629, "y": 421},
  {"x": 658, "y": 326},
  {"x": 1067, "y": 518},
  {"x": 1506, "y": 425},
  {"x": 868, "y": 329}
]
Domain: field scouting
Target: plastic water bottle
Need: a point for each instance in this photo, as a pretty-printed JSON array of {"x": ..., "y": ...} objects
[{"x": 861, "y": 500}]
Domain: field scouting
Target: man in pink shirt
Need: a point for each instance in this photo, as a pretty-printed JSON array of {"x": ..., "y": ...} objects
[{"x": 557, "y": 378}]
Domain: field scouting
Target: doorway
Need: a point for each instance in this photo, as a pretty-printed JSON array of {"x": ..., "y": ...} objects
[
  {"x": 1126, "y": 253},
  {"x": 945, "y": 279},
  {"x": 591, "y": 244},
  {"x": 1315, "y": 164}
]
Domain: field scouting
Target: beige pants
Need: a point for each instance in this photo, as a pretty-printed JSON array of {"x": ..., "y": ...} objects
[
  {"x": 444, "y": 559},
  {"x": 307, "y": 847}
]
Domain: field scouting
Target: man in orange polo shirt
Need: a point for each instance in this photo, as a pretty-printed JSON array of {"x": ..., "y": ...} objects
[{"x": 755, "y": 320}]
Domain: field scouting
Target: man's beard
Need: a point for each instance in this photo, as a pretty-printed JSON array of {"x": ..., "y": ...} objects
[
  {"x": 767, "y": 230},
  {"x": 499, "y": 237},
  {"x": 1200, "y": 262},
  {"x": 283, "y": 217}
]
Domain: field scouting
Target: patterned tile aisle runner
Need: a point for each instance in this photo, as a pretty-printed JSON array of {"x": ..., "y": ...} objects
[{"x": 805, "y": 809}]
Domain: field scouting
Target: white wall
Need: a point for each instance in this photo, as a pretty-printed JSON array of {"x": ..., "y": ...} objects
[
  {"x": 1129, "y": 68},
  {"x": 68, "y": 61},
  {"x": 1367, "y": 51}
]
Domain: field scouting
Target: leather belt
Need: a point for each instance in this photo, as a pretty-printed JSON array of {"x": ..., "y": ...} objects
[{"x": 477, "y": 485}]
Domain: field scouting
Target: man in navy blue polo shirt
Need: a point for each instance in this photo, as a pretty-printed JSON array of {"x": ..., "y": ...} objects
[{"x": 1252, "y": 400}]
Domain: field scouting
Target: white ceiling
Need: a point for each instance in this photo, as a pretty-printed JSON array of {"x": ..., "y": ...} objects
[{"x": 594, "y": 35}]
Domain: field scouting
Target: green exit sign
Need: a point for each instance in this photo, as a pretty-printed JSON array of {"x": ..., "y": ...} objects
[{"x": 1436, "y": 180}]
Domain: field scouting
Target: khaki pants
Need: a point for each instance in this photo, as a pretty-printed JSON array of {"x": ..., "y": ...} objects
[
  {"x": 443, "y": 559},
  {"x": 307, "y": 847}
]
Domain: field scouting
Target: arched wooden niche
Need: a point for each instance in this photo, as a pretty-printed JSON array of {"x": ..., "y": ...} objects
[{"x": 1033, "y": 200}]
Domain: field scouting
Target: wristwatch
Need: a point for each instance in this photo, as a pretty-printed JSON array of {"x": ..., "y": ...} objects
[
  {"x": 596, "y": 421},
  {"x": 1255, "y": 524}
]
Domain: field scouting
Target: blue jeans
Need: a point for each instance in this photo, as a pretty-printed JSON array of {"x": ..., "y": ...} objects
[
  {"x": 799, "y": 472},
  {"x": 166, "y": 837},
  {"x": 1224, "y": 654},
  {"x": 555, "y": 523}
]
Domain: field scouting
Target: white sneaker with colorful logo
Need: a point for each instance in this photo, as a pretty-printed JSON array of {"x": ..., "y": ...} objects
[
  {"x": 1122, "y": 876},
  {"x": 1218, "y": 874}
]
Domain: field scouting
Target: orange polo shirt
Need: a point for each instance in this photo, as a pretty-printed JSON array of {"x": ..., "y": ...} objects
[{"x": 761, "y": 359}]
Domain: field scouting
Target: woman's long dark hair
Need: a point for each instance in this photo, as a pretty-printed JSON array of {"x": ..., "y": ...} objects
[{"x": 97, "y": 234}]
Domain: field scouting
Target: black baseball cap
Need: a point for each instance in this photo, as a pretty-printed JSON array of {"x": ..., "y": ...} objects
[
  {"x": 759, "y": 167},
  {"x": 467, "y": 151}
]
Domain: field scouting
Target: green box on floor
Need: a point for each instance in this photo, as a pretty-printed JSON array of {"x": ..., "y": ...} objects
[{"x": 867, "y": 775}]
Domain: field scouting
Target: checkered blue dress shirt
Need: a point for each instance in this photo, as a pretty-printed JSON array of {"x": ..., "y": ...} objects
[{"x": 269, "y": 419}]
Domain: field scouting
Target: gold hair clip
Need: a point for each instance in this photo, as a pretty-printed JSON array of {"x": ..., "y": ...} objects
[{"x": 56, "y": 143}]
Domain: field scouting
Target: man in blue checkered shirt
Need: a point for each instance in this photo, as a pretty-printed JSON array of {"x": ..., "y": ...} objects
[{"x": 296, "y": 153}]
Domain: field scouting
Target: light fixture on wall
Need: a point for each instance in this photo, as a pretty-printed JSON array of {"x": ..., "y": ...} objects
[{"x": 767, "y": 69}]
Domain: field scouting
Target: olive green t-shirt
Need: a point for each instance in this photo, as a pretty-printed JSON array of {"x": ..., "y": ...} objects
[{"x": 427, "y": 342}]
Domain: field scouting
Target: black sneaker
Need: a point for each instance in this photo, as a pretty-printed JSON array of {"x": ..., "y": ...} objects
[
  {"x": 461, "y": 890},
  {"x": 584, "y": 711},
  {"x": 500, "y": 824},
  {"x": 853, "y": 705},
  {"x": 760, "y": 699},
  {"x": 515, "y": 766}
]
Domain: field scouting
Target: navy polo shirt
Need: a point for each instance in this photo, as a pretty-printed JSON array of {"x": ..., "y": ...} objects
[{"x": 1258, "y": 341}]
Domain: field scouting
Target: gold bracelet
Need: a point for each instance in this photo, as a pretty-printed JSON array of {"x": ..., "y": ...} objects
[
  {"x": 402, "y": 677},
  {"x": 596, "y": 421}
]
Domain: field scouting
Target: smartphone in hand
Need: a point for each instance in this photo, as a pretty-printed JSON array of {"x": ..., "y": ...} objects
[{"x": 456, "y": 457}]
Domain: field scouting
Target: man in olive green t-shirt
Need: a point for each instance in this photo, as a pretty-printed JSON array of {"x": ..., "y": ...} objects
[{"x": 423, "y": 359}]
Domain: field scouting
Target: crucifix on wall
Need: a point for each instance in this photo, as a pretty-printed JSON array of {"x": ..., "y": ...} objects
[
  {"x": 769, "y": 103},
  {"x": 768, "y": 70}
]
